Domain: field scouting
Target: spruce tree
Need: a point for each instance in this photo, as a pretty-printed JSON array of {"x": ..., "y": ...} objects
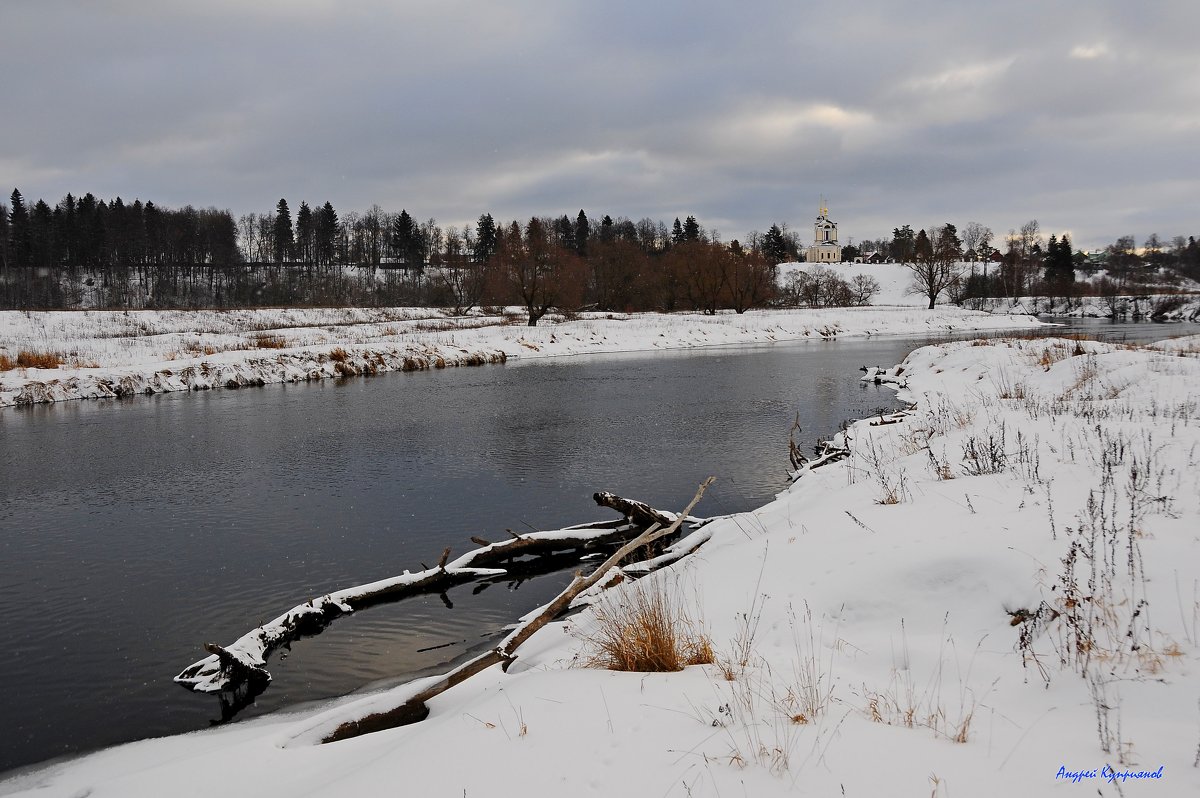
[
  {"x": 284, "y": 236},
  {"x": 677, "y": 232},
  {"x": 18, "y": 231},
  {"x": 582, "y": 231},
  {"x": 774, "y": 247},
  {"x": 922, "y": 247},
  {"x": 1060, "y": 262},
  {"x": 564, "y": 232},
  {"x": 41, "y": 235},
  {"x": 4, "y": 243},
  {"x": 485, "y": 238},
  {"x": 327, "y": 229},
  {"x": 691, "y": 229},
  {"x": 305, "y": 232},
  {"x": 903, "y": 244},
  {"x": 406, "y": 241}
]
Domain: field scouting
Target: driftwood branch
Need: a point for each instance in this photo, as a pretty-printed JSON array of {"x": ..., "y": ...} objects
[
  {"x": 795, "y": 457},
  {"x": 244, "y": 661},
  {"x": 637, "y": 512},
  {"x": 415, "y": 708}
]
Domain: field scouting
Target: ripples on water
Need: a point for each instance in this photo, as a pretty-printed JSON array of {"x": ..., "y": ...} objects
[{"x": 132, "y": 531}]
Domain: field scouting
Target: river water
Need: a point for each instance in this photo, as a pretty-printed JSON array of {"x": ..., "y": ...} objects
[{"x": 133, "y": 531}]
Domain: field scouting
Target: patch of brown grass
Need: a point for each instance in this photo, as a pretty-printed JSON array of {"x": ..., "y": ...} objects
[
  {"x": 338, "y": 355},
  {"x": 645, "y": 630},
  {"x": 267, "y": 341},
  {"x": 39, "y": 360},
  {"x": 7, "y": 363}
]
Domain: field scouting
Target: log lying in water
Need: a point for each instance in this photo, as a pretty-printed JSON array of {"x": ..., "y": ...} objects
[
  {"x": 415, "y": 709},
  {"x": 244, "y": 661}
]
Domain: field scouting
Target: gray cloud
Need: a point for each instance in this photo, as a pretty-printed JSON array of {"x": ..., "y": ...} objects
[{"x": 1084, "y": 115}]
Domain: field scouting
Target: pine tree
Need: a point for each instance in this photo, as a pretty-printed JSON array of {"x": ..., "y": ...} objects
[
  {"x": 154, "y": 233},
  {"x": 1060, "y": 262},
  {"x": 68, "y": 230},
  {"x": 41, "y": 236},
  {"x": 305, "y": 233},
  {"x": 903, "y": 244},
  {"x": 583, "y": 231},
  {"x": 4, "y": 245},
  {"x": 18, "y": 231},
  {"x": 922, "y": 247},
  {"x": 407, "y": 242},
  {"x": 284, "y": 237},
  {"x": 774, "y": 247},
  {"x": 485, "y": 238},
  {"x": 327, "y": 230},
  {"x": 564, "y": 232}
]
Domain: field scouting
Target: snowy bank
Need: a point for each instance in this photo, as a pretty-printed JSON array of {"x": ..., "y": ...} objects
[
  {"x": 995, "y": 596},
  {"x": 1160, "y": 307},
  {"x": 101, "y": 354}
]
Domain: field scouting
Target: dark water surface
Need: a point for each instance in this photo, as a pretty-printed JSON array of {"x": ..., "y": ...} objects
[{"x": 133, "y": 531}]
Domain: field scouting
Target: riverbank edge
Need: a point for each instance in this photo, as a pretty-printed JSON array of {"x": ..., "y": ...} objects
[{"x": 343, "y": 356}]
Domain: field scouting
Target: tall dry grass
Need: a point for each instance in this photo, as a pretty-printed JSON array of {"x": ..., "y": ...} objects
[{"x": 646, "y": 629}]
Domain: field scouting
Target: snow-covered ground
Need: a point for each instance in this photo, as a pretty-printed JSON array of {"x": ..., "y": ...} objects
[
  {"x": 895, "y": 280},
  {"x": 116, "y": 353},
  {"x": 1163, "y": 307},
  {"x": 999, "y": 595},
  {"x": 895, "y": 288}
]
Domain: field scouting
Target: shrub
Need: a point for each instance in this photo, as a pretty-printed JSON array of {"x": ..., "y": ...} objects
[{"x": 644, "y": 630}]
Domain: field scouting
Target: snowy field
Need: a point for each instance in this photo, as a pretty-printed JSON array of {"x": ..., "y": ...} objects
[
  {"x": 96, "y": 354},
  {"x": 997, "y": 595},
  {"x": 895, "y": 288}
]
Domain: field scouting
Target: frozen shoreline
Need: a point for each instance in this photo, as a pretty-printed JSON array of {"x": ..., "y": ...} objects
[
  {"x": 962, "y": 627},
  {"x": 105, "y": 354}
]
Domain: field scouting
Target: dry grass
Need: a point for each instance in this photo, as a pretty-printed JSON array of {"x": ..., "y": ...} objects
[
  {"x": 31, "y": 360},
  {"x": 646, "y": 630},
  {"x": 903, "y": 703},
  {"x": 338, "y": 355},
  {"x": 266, "y": 341}
]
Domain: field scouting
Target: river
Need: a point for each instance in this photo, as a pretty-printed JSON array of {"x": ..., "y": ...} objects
[{"x": 133, "y": 531}]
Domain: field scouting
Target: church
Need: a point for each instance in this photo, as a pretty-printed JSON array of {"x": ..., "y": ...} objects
[{"x": 825, "y": 247}]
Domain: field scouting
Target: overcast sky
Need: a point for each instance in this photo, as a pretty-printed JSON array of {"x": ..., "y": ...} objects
[{"x": 1084, "y": 115}]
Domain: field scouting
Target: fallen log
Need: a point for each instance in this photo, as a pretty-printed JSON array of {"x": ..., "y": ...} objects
[
  {"x": 244, "y": 661},
  {"x": 637, "y": 512},
  {"x": 415, "y": 708}
]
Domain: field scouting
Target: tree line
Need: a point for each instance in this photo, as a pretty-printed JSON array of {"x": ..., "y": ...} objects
[
  {"x": 89, "y": 252},
  {"x": 967, "y": 266},
  {"x": 95, "y": 253}
]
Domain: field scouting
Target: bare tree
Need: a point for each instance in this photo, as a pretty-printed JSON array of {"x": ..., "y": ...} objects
[
  {"x": 460, "y": 276},
  {"x": 863, "y": 288},
  {"x": 748, "y": 276},
  {"x": 935, "y": 267},
  {"x": 541, "y": 273},
  {"x": 974, "y": 237}
]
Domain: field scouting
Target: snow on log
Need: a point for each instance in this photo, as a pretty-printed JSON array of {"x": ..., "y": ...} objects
[
  {"x": 244, "y": 661},
  {"x": 637, "y": 512},
  {"x": 882, "y": 376},
  {"x": 415, "y": 709}
]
